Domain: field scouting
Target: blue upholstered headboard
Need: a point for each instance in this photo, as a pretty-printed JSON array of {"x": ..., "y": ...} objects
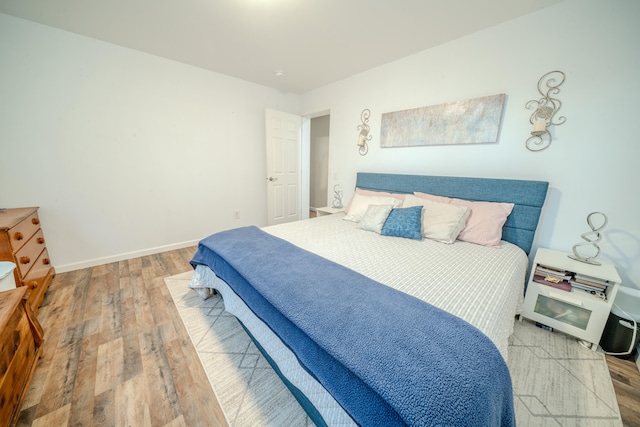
[{"x": 528, "y": 197}]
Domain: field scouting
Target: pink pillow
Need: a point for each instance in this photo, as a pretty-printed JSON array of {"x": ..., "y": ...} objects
[
  {"x": 374, "y": 193},
  {"x": 432, "y": 197},
  {"x": 484, "y": 225}
]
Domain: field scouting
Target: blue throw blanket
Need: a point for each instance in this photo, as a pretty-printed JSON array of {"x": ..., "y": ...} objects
[{"x": 388, "y": 358}]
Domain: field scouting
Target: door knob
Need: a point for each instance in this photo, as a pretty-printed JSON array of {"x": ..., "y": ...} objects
[{"x": 272, "y": 179}]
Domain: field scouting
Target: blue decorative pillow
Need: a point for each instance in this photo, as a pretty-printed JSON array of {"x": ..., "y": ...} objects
[{"x": 404, "y": 222}]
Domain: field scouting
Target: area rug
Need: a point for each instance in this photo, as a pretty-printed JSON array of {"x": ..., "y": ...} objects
[{"x": 556, "y": 381}]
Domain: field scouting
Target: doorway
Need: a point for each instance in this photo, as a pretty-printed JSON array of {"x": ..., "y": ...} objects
[{"x": 318, "y": 162}]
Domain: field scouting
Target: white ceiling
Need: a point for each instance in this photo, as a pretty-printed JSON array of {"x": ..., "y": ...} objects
[{"x": 314, "y": 42}]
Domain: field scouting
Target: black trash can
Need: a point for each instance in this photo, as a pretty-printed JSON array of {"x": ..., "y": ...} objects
[{"x": 618, "y": 335}]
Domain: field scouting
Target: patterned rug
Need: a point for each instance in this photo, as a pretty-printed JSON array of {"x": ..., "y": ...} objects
[{"x": 556, "y": 381}]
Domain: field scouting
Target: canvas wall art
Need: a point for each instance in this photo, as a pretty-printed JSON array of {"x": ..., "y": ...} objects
[{"x": 472, "y": 121}]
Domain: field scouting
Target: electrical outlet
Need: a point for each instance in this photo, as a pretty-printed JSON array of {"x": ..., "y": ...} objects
[{"x": 236, "y": 214}]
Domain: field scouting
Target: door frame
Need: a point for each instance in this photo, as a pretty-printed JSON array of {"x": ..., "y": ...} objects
[{"x": 305, "y": 161}]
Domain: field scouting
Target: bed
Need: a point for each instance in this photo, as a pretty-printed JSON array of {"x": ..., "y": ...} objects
[{"x": 379, "y": 326}]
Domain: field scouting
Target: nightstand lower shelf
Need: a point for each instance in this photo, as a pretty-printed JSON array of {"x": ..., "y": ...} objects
[{"x": 581, "y": 316}]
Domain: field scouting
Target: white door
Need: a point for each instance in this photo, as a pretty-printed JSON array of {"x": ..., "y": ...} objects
[{"x": 284, "y": 140}]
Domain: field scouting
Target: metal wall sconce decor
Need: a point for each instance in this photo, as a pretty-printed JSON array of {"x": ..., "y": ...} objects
[
  {"x": 545, "y": 109},
  {"x": 364, "y": 136},
  {"x": 591, "y": 239}
]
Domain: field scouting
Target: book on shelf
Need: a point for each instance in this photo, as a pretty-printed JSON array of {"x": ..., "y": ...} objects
[
  {"x": 583, "y": 286},
  {"x": 593, "y": 291},
  {"x": 565, "y": 285},
  {"x": 589, "y": 283},
  {"x": 589, "y": 280},
  {"x": 552, "y": 271}
]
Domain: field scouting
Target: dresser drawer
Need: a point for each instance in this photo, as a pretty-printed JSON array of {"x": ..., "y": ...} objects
[
  {"x": 19, "y": 351},
  {"x": 40, "y": 268},
  {"x": 38, "y": 279},
  {"x": 20, "y": 348},
  {"x": 28, "y": 254},
  {"x": 22, "y": 232}
]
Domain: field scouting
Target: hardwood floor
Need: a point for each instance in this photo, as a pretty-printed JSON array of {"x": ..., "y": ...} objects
[
  {"x": 116, "y": 353},
  {"x": 626, "y": 382}
]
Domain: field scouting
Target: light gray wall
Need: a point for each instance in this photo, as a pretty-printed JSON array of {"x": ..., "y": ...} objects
[
  {"x": 592, "y": 164},
  {"x": 319, "y": 162},
  {"x": 125, "y": 153}
]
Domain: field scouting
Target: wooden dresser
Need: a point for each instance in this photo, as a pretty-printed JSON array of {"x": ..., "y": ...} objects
[
  {"x": 22, "y": 242},
  {"x": 20, "y": 348}
]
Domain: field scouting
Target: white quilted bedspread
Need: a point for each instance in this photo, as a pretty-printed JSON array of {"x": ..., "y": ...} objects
[{"x": 481, "y": 285}]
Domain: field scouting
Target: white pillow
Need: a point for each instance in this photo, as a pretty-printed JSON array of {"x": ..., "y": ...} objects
[
  {"x": 375, "y": 218},
  {"x": 440, "y": 221},
  {"x": 399, "y": 196},
  {"x": 360, "y": 203}
]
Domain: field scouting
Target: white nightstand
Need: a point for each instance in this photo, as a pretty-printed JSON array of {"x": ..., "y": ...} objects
[
  {"x": 327, "y": 210},
  {"x": 579, "y": 303}
]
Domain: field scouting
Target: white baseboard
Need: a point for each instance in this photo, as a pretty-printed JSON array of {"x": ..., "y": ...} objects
[{"x": 120, "y": 257}]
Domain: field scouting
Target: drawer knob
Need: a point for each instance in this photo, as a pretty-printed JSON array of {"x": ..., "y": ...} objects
[
  {"x": 40, "y": 240},
  {"x": 33, "y": 284},
  {"x": 18, "y": 235},
  {"x": 25, "y": 260},
  {"x": 35, "y": 221},
  {"x": 46, "y": 261}
]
